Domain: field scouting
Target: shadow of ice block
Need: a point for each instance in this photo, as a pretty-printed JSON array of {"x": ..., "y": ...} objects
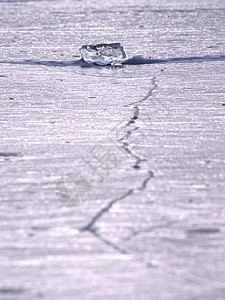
[{"x": 103, "y": 54}]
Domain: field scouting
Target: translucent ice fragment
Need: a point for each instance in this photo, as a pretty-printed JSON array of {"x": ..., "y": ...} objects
[{"x": 103, "y": 54}]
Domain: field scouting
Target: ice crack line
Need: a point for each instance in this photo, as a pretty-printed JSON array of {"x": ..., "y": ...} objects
[
  {"x": 90, "y": 225},
  {"x": 135, "y": 116},
  {"x": 148, "y": 95},
  {"x": 138, "y": 159},
  {"x": 125, "y": 144},
  {"x": 146, "y": 180},
  {"x": 129, "y": 132}
]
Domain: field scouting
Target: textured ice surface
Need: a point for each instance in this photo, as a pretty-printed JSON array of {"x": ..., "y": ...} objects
[
  {"x": 103, "y": 54},
  {"x": 163, "y": 241}
]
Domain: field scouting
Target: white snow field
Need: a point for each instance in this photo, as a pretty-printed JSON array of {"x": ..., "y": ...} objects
[{"x": 112, "y": 177}]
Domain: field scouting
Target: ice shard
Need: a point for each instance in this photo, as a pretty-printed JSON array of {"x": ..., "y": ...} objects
[{"x": 103, "y": 54}]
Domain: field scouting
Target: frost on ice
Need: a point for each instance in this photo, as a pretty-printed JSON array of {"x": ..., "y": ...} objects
[{"x": 103, "y": 54}]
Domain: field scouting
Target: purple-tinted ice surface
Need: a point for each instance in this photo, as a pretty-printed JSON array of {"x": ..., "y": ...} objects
[{"x": 103, "y": 54}]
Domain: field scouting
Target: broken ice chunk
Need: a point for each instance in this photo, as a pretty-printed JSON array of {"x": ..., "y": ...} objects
[{"x": 103, "y": 54}]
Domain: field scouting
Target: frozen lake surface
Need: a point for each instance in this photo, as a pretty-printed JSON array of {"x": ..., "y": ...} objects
[{"x": 112, "y": 177}]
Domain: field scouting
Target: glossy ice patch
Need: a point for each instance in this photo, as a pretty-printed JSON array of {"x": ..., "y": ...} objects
[{"x": 103, "y": 54}]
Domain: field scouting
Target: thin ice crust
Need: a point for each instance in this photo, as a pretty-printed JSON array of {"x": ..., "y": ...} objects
[{"x": 103, "y": 54}]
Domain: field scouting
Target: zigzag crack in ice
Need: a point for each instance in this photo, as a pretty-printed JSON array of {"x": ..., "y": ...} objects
[
  {"x": 126, "y": 136},
  {"x": 135, "y": 116},
  {"x": 125, "y": 146},
  {"x": 132, "y": 120},
  {"x": 91, "y": 229},
  {"x": 129, "y": 132},
  {"x": 148, "y": 95},
  {"x": 145, "y": 182},
  {"x": 89, "y": 226}
]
